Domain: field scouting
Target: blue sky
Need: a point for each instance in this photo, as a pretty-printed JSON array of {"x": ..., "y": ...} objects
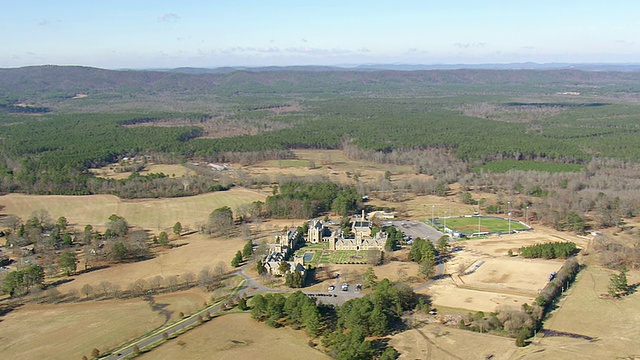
[{"x": 159, "y": 34}]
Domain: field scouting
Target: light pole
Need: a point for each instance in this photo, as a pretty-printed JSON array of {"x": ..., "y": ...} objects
[
  {"x": 444, "y": 218},
  {"x": 433, "y": 220},
  {"x": 525, "y": 215},
  {"x": 478, "y": 215},
  {"x": 509, "y": 209}
]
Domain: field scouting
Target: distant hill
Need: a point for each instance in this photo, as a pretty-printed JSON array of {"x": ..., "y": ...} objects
[{"x": 64, "y": 81}]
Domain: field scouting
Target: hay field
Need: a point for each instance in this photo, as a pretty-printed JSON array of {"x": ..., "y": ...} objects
[
  {"x": 615, "y": 324},
  {"x": 237, "y": 336},
  {"x": 149, "y": 214},
  {"x": 69, "y": 331}
]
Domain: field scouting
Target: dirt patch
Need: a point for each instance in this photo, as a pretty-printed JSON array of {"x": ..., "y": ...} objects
[{"x": 237, "y": 336}]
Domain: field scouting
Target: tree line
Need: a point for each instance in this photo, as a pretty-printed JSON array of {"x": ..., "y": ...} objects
[{"x": 550, "y": 250}]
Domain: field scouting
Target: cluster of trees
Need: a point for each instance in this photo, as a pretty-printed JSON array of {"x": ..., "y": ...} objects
[
  {"x": 424, "y": 253},
  {"x": 520, "y": 323},
  {"x": 348, "y": 331},
  {"x": 618, "y": 285},
  {"x": 296, "y": 310},
  {"x": 616, "y": 252},
  {"x": 19, "y": 282},
  {"x": 56, "y": 245},
  {"x": 394, "y": 238},
  {"x": 220, "y": 221},
  {"x": 303, "y": 200},
  {"x": 550, "y": 250}
]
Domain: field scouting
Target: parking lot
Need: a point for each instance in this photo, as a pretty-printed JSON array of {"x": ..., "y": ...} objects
[{"x": 417, "y": 229}]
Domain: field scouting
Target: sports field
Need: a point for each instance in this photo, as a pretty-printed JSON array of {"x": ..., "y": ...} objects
[{"x": 478, "y": 224}]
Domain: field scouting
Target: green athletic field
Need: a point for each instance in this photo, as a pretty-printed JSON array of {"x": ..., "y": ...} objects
[{"x": 469, "y": 225}]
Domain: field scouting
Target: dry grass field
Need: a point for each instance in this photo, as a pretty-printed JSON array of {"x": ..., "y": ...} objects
[
  {"x": 442, "y": 342},
  {"x": 199, "y": 251},
  {"x": 614, "y": 325},
  {"x": 332, "y": 164},
  {"x": 69, "y": 331},
  {"x": 173, "y": 170},
  {"x": 149, "y": 214},
  {"x": 237, "y": 336}
]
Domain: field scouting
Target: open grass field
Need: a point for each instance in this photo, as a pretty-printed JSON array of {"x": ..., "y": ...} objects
[
  {"x": 172, "y": 170},
  {"x": 286, "y": 163},
  {"x": 149, "y": 214},
  {"x": 614, "y": 325},
  {"x": 199, "y": 252},
  {"x": 433, "y": 341},
  {"x": 332, "y": 164},
  {"x": 69, "y": 331},
  {"x": 469, "y": 225},
  {"x": 237, "y": 336}
]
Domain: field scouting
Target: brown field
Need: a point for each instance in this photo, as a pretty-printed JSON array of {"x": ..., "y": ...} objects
[
  {"x": 332, "y": 164},
  {"x": 237, "y": 336},
  {"x": 149, "y": 214},
  {"x": 199, "y": 252},
  {"x": 614, "y": 324},
  {"x": 443, "y": 342},
  {"x": 69, "y": 331},
  {"x": 501, "y": 280},
  {"x": 172, "y": 170}
]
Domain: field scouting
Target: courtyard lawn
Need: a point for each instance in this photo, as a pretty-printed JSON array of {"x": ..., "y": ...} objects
[{"x": 348, "y": 257}]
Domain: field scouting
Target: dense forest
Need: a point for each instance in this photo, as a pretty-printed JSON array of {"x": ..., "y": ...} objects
[{"x": 58, "y": 122}]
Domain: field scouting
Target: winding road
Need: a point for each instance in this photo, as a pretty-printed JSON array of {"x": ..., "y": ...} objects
[{"x": 250, "y": 285}]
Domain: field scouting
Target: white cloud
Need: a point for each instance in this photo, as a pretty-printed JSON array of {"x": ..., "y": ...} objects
[
  {"x": 469, "y": 45},
  {"x": 168, "y": 17}
]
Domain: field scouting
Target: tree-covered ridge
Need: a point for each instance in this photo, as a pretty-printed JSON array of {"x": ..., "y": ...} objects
[{"x": 476, "y": 115}]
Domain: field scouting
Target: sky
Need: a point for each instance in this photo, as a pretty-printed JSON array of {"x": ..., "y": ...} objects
[{"x": 139, "y": 34}]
